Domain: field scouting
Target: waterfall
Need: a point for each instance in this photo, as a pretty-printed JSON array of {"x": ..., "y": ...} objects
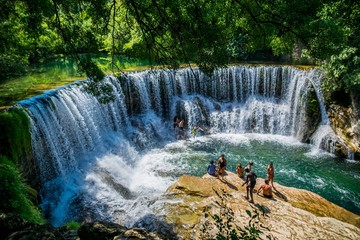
[
  {"x": 72, "y": 132},
  {"x": 68, "y": 122}
]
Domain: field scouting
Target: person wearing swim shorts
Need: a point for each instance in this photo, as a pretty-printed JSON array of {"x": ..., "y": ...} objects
[
  {"x": 266, "y": 189},
  {"x": 250, "y": 182}
]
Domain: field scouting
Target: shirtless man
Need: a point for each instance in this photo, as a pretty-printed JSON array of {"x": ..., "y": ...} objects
[
  {"x": 266, "y": 189},
  {"x": 176, "y": 122},
  {"x": 181, "y": 129},
  {"x": 251, "y": 182}
]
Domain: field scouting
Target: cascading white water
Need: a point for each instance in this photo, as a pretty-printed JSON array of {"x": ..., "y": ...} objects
[{"x": 98, "y": 157}]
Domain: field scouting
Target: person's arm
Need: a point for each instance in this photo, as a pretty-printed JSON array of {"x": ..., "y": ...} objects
[
  {"x": 247, "y": 180},
  {"x": 258, "y": 191}
]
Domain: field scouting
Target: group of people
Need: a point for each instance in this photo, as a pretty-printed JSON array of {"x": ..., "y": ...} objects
[
  {"x": 178, "y": 124},
  {"x": 217, "y": 169},
  {"x": 248, "y": 175}
]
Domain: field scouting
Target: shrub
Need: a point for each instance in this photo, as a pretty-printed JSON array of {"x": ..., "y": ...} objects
[
  {"x": 15, "y": 195},
  {"x": 225, "y": 226}
]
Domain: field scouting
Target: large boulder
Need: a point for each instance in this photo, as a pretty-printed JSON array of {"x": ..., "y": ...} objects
[
  {"x": 346, "y": 125},
  {"x": 291, "y": 214}
]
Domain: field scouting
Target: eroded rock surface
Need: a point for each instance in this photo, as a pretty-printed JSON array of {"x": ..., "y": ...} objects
[
  {"x": 291, "y": 214},
  {"x": 346, "y": 124}
]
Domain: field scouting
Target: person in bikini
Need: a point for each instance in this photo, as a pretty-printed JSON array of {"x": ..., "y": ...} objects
[
  {"x": 222, "y": 165},
  {"x": 270, "y": 173}
]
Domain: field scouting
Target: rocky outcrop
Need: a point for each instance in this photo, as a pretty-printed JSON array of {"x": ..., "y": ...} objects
[
  {"x": 346, "y": 125},
  {"x": 291, "y": 214},
  {"x": 14, "y": 228}
]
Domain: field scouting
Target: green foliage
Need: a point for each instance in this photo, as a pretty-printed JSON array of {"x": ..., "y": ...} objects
[
  {"x": 73, "y": 225},
  {"x": 15, "y": 141},
  {"x": 15, "y": 195},
  {"x": 15, "y": 144},
  {"x": 225, "y": 226},
  {"x": 209, "y": 33}
]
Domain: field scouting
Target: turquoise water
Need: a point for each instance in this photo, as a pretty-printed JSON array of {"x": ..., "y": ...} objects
[{"x": 296, "y": 164}]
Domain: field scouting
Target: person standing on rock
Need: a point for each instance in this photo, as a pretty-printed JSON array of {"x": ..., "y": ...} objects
[
  {"x": 176, "y": 123},
  {"x": 270, "y": 173},
  {"x": 251, "y": 182},
  {"x": 181, "y": 129},
  {"x": 250, "y": 164},
  {"x": 222, "y": 165}
]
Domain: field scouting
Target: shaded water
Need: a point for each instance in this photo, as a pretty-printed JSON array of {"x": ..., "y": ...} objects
[{"x": 113, "y": 162}]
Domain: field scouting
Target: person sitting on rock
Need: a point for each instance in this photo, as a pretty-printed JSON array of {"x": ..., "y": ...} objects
[
  {"x": 240, "y": 170},
  {"x": 212, "y": 168},
  {"x": 266, "y": 189}
]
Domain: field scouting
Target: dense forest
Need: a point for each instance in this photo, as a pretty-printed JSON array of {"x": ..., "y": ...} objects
[{"x": 209, "y": 33}]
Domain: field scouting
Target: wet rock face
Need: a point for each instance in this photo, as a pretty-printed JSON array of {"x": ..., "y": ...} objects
[
  {"x": 313, "y": 115},
  {"x": 346, "y": 125}
]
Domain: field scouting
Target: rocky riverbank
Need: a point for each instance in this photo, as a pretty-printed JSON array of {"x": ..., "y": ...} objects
[{"x": 291, "y": 214}]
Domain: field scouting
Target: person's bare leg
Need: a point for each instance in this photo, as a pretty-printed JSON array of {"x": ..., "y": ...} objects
[{"x": 251, "y": 195}]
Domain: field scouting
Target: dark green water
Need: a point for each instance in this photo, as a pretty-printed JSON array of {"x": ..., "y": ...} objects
[
  {"x": 55, "y": 73},
  {"x": 296, "y": 165}
]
